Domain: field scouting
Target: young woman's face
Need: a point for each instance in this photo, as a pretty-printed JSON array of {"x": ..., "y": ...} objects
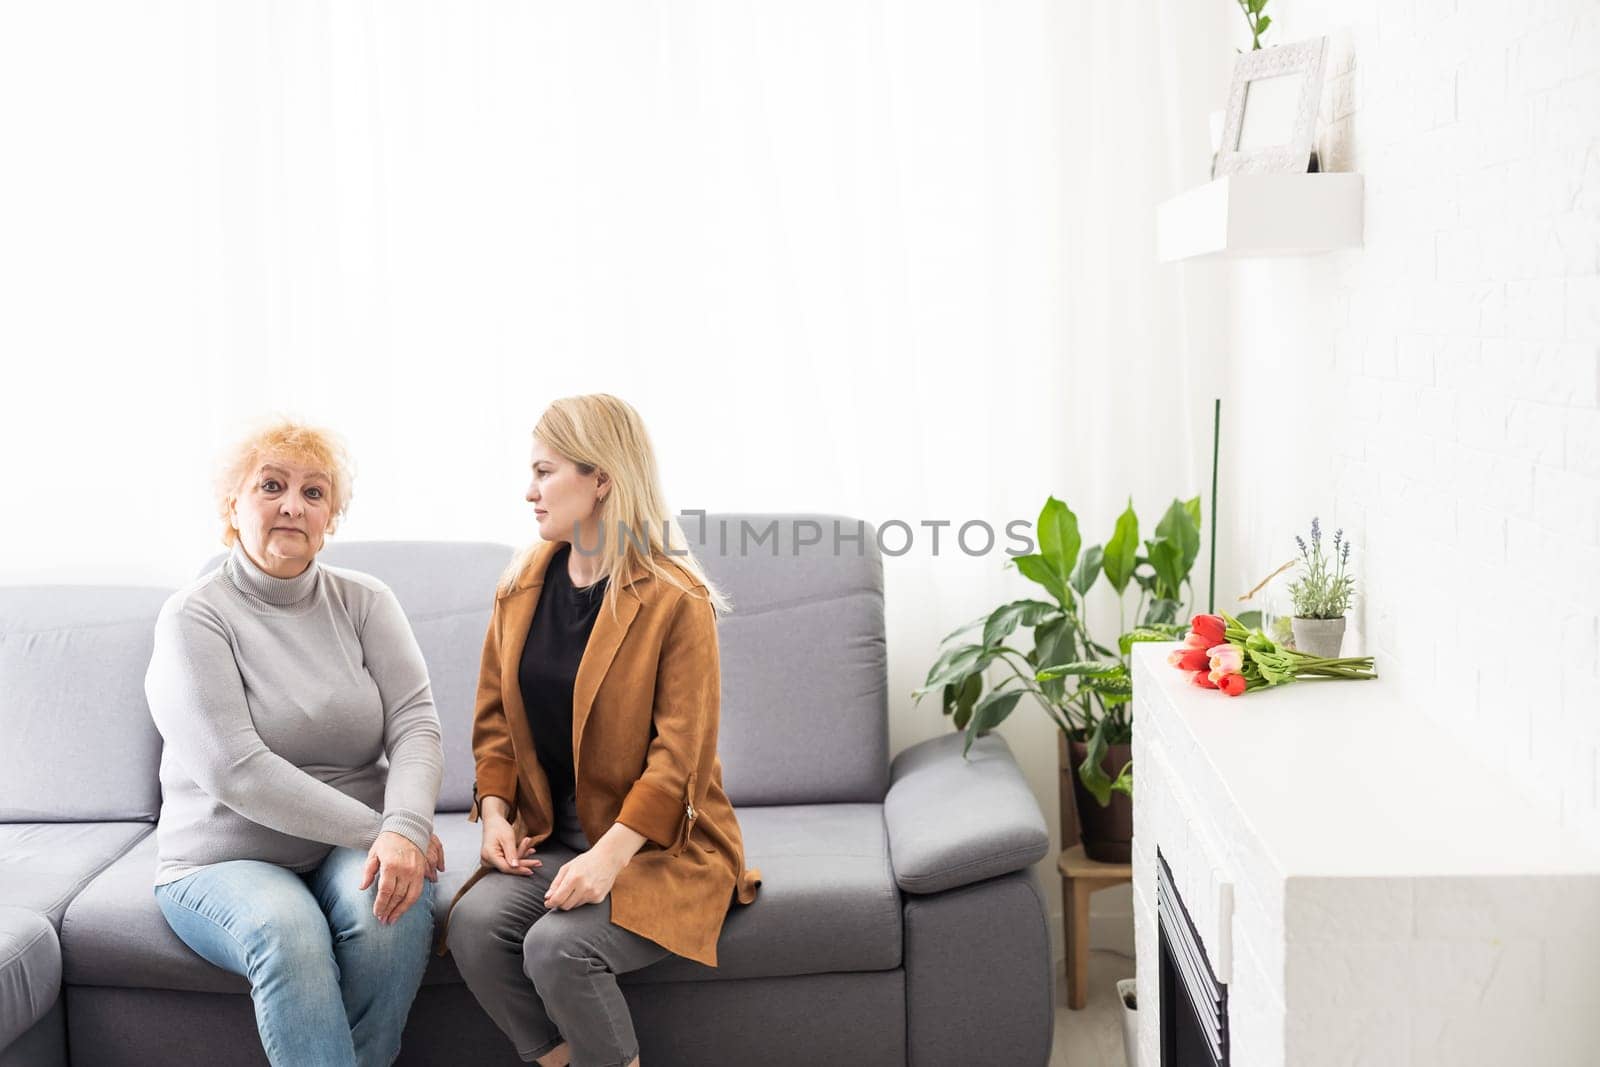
[
  {"x": 282, "y": 513},
  {"x": 563, "y": 498}
]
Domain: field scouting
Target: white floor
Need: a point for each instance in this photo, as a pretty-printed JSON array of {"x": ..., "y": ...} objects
[{"x": 1092, "y": 1037}]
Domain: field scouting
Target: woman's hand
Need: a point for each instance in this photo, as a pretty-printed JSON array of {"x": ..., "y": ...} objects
[
  {"x": 435, "y": 858},
  {"x": 585, "y": 879},
  {"x": 589, "y": 877},
  {"x": 400, "y": 867},
  {"x": 501, "y": 849}
]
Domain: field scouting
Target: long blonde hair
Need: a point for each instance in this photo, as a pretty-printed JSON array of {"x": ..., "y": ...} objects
[{"x": 598, "y": 431}]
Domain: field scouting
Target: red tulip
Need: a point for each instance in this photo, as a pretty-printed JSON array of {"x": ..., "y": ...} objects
[
  {"x": 1189, "y": 659},
  {"x": 1203, "y": 680},
  {"x": 1233, "y": 684},
  {"x": 1211, "y": 627}
]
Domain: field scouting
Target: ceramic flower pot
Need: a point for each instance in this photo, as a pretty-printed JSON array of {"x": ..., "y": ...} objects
[
  {"x": 1319, "y": 637},
  {"x": 1106, "y": 832},
  {"x": 1128, "y": 993}
]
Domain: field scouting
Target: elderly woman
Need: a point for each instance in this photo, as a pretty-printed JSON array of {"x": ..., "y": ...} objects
[
  {"x": 301, "y": 766},
  {"x": 596, "y": 739}
]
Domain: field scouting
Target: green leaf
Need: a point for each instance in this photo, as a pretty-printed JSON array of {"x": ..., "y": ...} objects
[
  {"x": 1007, "y": 617},
  {"x": 1124, "y": 782},
  {"x": 1250, "y": 620},
  {"x": 1181, "y": 527},
  {"x": 1166, "y": 559},
  {"x": 1261, "y": 25},
  {"x": 1126, "y": 642},
  {"x": 1088, "y": 570},
  {"x": 1161, "y": 612},
  {"x": 990, "y": 712},
  {"x": 963, "y": 629},
  {"x": 1054, "y": 642},
  {"x": 1111, "y": 684},
  {"x": 1059, "y": 539},
  {"x": 955, "y": 665},
  {"x": 1192, "y": 506},
  {"x": 1122, "y": 551},
  {"x": 1039, "y": 569},
  {"x": 966, "y": 697},
  {"x": 1090, "y": 773},
  {"x": 1081, "y": 669}
]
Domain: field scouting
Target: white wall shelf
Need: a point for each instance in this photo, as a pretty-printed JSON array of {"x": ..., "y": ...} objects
[{"x": 1261, "y": 215}]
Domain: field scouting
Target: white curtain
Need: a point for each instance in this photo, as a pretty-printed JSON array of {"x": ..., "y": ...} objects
[
  {"x": 888, "y": 259},
  {"x": 1145, "y": 337}
]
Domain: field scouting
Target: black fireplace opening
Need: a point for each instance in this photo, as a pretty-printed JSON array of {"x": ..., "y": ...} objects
[{"x": 1194, "y": 1005}]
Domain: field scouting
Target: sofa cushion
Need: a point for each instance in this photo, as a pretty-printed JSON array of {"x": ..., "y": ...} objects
[
  {"x": 46, "y": 864},
  {"x": 804, "y": 663},
  {"x": 115, "y": 935},
  {"x": 827, "y": 902},
  {"x": 30, "y": 971},
  {"x": 79, "y": 741}
]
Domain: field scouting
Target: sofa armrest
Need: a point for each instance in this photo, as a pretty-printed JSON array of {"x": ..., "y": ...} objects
[{"x": 954, "y": 821}]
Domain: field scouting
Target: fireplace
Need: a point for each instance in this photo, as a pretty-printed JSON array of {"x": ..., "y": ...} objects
[{"x": 1194, "y": 1005}]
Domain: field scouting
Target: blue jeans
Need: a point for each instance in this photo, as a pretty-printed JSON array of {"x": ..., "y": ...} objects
[{"x": 331, "y": 985}]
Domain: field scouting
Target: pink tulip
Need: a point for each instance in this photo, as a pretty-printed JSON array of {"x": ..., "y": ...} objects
[
  {"x": 1226, "y": 659},
  {"x": 1194, "y": 640}
]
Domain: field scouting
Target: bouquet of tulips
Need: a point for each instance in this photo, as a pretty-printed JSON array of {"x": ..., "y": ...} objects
[{"x": 1221, "y": 653}]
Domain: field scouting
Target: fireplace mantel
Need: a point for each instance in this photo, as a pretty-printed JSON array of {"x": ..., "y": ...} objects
[{"x": 1369, "y": 890}]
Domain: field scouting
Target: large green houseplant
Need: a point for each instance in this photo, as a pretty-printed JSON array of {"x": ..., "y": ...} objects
[{"x": 1085, "y": 685}]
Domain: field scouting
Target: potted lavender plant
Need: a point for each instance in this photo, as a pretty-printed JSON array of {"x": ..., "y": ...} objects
[{"x": 1321, "y": 594}]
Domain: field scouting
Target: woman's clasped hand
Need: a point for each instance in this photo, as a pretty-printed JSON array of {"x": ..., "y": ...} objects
[{"x": 400, "y": 868}]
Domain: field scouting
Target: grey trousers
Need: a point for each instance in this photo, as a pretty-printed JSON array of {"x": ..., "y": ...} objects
[{"x": 544, "y": 976}]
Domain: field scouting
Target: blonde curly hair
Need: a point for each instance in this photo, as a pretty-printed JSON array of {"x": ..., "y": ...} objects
[{"x": 290, "y": 439}]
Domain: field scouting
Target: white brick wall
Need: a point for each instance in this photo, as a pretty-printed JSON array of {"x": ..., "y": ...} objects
[{"x": 1464, "y": 457}]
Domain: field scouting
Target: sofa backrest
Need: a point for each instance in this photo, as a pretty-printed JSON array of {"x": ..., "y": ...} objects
[
  {"x": 76, "y": 739},
  {"x": 804, "y": 667},
  {"x": 804, "y": 670}
]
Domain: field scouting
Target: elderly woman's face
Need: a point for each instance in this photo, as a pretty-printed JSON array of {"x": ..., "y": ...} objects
[
  {"x": 562, "y": 497},
  {"x": 282, "y": 513}
]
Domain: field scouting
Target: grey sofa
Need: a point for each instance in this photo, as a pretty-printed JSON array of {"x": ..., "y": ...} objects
[{"x": 899, "y": 920}]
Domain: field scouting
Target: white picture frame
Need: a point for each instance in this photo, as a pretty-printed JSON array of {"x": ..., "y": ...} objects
[{"x": 1273, "y": 103}]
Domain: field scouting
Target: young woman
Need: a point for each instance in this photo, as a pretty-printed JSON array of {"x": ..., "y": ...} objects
[{"x": 608, "y": 842}]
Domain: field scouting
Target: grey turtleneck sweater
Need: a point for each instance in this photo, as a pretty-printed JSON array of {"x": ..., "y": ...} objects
[{"x": 296, "y": 714}]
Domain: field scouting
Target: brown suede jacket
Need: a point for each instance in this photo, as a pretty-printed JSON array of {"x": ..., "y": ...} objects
[{"x": 645, "y": 712}]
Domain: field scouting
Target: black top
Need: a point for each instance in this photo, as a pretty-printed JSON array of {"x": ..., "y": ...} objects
[{"x": 556, "y": 640}]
